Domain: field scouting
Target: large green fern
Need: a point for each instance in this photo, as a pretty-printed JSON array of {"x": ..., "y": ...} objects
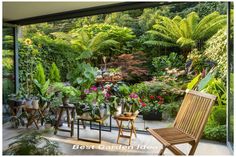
[{"x": 185, "y": 32}]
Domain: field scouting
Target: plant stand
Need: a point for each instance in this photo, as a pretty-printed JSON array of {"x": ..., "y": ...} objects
[
  {"x": 70, "y": 121},
  {"x": 90, "y": 120},
  {"x": 96, "y": 127},
  {"x": 119, "y": 121},
  {"x": 32, "y": 116}
]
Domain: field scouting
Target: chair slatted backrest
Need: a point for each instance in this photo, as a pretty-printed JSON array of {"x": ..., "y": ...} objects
[{"x": 194, "y": 112}]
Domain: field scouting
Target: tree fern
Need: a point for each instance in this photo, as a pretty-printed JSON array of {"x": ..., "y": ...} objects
[{"x": 185, "y": 32}]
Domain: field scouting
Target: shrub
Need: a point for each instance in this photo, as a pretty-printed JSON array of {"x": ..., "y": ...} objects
[
  {"x": 171, "y": 109},
  {"x": 54, "y": 73},
  {"x": 39, "y": 74},
  {"x": 170, "y": 91},
  {"x": 215, "y": 132},
  {"x": 218, "y": 115},
  {"x": 161, "y": 63},
  {"x": 216, "y": 51}
]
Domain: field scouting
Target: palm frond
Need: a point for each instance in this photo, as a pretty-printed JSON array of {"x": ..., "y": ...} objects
[
  {"x": 160, "y": 43},
  {"x": 185, "y": 42},
  {"x": 177, "y": 19},
  {"x": 95, "y": 41},
  {"x": 202, "y": 24},
  {"x": 109, "y": 43},
  {"x": 193, "y": 19},
  {"x": 162, "y": 35},
  {"x": 210, "y": 28}
]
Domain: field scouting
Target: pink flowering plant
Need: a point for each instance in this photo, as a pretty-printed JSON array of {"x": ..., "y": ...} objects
[
  {"x": 133, "y": 103},
  {"x": 152, "y": 104},
  {"x": 94, "y": 95}
]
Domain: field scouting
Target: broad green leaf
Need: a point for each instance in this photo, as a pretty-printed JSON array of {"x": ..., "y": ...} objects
[
  {"x": 203, "y": 83},
  {"x": 193, "y": 83}
]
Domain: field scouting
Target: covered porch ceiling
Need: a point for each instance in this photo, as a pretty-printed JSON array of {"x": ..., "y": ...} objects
[{"x": 24, "y": 13}]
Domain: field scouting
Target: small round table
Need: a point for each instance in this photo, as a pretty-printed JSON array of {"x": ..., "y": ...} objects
[{"x": 119, "y": 121}]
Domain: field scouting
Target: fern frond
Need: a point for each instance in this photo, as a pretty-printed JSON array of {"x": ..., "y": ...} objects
[
  {"x": 185, "y": 42},
  {"x": 162, "y": 35},
  {"x": 160, "y": 43}
]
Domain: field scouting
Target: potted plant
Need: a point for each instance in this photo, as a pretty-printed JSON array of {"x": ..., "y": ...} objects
[
  {"x": 132, "y": 105},
  {"x": 66, "y": 91},
  {"x": 43, "y": 93},
  {"x": 153, "y": 109},
  {"x": 50, "y": 121},
  {"x": 95, "y": 100},
  {"x": 35, "y": 103},
  {"x": 18, "y": 120}
]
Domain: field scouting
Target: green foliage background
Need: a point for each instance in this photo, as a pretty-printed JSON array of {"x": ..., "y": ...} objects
[{"x": 194, "y": 31}]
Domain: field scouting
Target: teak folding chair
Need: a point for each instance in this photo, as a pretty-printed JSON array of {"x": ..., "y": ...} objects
[{"x": 189, "y": 123}]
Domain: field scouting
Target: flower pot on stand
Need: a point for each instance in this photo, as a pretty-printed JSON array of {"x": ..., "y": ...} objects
[
  {"x": 28, "y": 103},
  {"x": 119, "y": 110}
]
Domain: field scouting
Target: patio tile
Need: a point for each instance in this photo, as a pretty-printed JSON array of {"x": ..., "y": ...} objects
[{"x": 144, "y": 144}]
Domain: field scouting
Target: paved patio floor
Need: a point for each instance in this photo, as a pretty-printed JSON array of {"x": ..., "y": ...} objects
[{"x": 144, "y": 144}]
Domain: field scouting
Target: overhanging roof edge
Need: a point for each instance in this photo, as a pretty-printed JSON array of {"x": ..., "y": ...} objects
[{"x": 89, "y": 12}]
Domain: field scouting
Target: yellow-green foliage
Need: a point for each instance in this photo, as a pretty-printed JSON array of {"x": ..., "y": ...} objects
[
  {"x": 216, "y": 51},
  {"x": 39, "y": 74},
  {"x": 54, "y": 74}
]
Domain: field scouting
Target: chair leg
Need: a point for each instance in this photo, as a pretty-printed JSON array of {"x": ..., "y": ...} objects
[
  {"x": 193, "y": 149},
  {"x": 162, "y": 150},
  {"x": 175, "y": 150}
]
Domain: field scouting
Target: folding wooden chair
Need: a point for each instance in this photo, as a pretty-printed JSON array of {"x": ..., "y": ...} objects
[{"x": 189, "y": 123}]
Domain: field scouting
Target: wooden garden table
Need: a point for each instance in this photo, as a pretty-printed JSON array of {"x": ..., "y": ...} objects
[{"x": 119, "y": 121}]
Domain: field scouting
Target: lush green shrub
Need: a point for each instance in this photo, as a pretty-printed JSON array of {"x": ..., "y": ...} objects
[
  {"x": 218, "y": 115},
  {"x": 170, "y": 91},
  {"x": 216, "y": 51},
  {"x": 55, "y": 50},
  {"x": 171, "y": 109},
  {"x": 54, "y": 73},
  {"x": 218, "y": 88},
  {"x": 161, "y": 63},
  {"x": 215, "y": 128},
  {"x": 83, "y": 76},
  {"x": 215, "y": 132},
  {"x": 119, "y": 34},
  {"x": 140, "y": 88},
  {"x": 198, "y": 61},
  {"x": 39, "y": 74}
]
